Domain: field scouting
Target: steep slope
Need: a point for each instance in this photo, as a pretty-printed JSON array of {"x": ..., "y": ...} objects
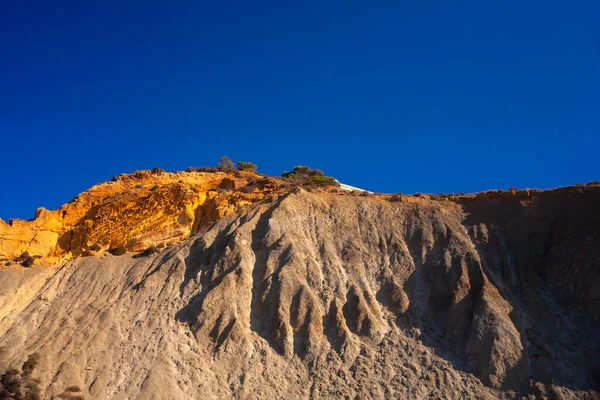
[{"x": 318, "y": 294}]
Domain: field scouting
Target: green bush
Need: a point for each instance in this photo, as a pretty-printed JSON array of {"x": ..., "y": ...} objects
[
  {"x": 321, "y": 181},
  {"x": 300, "y": 172},
  {"x": 302, "y": 169},
  {"x": 304, "y": 175},
  {"x": 246, "y": 166}
]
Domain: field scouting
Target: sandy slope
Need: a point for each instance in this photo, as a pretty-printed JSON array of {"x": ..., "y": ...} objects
[{"x": 328, "y": 296}]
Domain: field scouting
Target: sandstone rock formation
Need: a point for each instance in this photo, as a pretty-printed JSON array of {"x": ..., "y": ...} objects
[
  {"x": 133, "y": 211},
  {"x": 320, "y": 294}
]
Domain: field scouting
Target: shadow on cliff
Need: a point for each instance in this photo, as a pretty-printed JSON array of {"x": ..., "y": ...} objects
[
  {"x": 542, "y": 253},
  {"x": 446, "y": 294},
  {"x": 202, "y": 272}
]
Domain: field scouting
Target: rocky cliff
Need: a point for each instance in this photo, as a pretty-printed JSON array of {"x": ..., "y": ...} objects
[
  {"x": 133, "y": 211},
  {"x": 297, "y": 293}
]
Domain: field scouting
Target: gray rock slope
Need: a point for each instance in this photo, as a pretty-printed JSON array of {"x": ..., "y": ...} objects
[{"x": 320, "y": 295}]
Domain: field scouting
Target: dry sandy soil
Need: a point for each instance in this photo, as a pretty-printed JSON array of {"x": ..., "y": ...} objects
[{"x": 325, "y": 295}]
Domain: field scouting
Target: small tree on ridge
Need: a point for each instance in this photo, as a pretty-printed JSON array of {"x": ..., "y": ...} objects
[{"x": 225, "y": 165}]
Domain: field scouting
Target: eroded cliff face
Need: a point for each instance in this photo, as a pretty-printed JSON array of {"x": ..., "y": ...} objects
[
  {"x": 133, "y": 211},
  {"x": 334, "y": 295}
]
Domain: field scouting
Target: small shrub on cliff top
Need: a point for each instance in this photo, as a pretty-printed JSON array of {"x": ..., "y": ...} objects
[
  {"x": 321, "y": 181},
  {"x": 246, "y": 166},
  {"x": 225, "y": 165},
  {"x": 304, "y": 175},
  {"x": 302, "y": 169},
  {"x": 201, "y": 169},
  {"x": 300, "y": 172},
  {"x": 158, "y": 171}
]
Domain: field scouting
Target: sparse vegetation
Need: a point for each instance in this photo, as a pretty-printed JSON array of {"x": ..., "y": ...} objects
[
  {"x": 20, "y": 385},
  {"x": 302, "y": 174},
  {"x": 158, "y": 171},
  {"x": 225, "y": 165},
  {"x": 246, "y": 166},
  {"x": 201, "y": 169},
  {"x": 322, "y": 180}
]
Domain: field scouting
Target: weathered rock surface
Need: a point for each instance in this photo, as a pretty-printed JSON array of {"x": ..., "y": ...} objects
[
  {"x": 331, "y": 295},
  {"x": 134, "y": 211}
]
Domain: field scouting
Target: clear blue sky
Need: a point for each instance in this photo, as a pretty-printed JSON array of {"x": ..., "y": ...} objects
[{"x": 398, "y": 96}]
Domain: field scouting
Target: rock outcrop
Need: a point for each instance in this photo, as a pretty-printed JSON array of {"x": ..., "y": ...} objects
[
  {"x": 133, "y": 211},
  {"x": 328, "y": 294}
]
